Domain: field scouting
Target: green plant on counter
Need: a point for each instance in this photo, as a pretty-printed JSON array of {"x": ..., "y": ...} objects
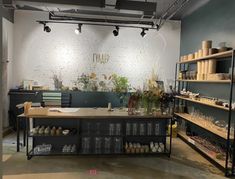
[{"x": 120, "y": 83}]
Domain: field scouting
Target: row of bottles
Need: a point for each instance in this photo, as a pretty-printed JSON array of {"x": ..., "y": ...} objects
[
  {"x": 101, "y": 145},
  {"x": 142, "y": 129}
]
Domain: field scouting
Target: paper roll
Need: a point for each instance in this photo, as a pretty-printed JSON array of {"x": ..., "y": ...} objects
[
  {"x": 199, "y": 67},
  {"x": 211, "y": 66},
  {"x": 198, "y": 76},
  {"x": 205, "y": 52},
  {"x": 181, "y": 58},
  {"x": 206, "y": 44},
  {"x": 200, "y": 54},
  {"x": 190, "y": 56},
  {"x": 196, "y": 55},
  {"x": 203, "y": 67},
  {"x": 206, "y": 66}
]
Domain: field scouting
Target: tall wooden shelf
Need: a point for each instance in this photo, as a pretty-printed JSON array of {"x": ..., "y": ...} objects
[{"x": 226, "y": 135}]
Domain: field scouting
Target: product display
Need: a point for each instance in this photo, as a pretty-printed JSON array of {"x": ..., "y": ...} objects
[
  {"x": 205, "y": 100},
  {"x": 141, "y": 129},
  {"x": 42, "y": 149},
  {"x": 208, "y": 147},
  {"x": 48, "y": 131},
  {"x": 69, "y": 148},
  {"x": 152, "y": 147},
  {"x": 198, "y": 126}
]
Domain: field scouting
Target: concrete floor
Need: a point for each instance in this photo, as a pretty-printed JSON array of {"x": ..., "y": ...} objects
[{"x": 184, "y": 163}]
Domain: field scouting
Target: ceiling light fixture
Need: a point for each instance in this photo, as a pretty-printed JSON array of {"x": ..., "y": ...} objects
[
  {"x": 79, "y": 29},
  {"x": 46, "y": 28},
  {"x": 116, "y": 31},
  {"x": 143, "y": 33}
]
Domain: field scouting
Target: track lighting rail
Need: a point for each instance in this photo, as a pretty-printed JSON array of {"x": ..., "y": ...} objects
[{"x": 97, "y": 24}]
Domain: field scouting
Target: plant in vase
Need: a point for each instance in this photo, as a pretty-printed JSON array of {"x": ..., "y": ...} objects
[
  {"x": 58, "y": 83},
  {"x": 166, "y": 100},
  {"x": 120, "y": 83},
  {"x": 133, "y": 102},
  {"x": 151, "y": 99},
  {"x": 86, "y": 82},
  {"x": 82, "y": 82}
]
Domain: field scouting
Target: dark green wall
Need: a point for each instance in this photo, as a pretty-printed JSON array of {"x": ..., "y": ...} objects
[{"x": 215, "y": 21}]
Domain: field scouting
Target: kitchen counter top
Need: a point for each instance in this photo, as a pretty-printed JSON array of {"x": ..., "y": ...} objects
[{"x": 95, "y": 113}]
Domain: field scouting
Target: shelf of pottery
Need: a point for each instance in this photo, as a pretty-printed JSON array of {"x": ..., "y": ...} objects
[
  {"x": 210, "y": 133},
  {"x": 206, "y": 63}
]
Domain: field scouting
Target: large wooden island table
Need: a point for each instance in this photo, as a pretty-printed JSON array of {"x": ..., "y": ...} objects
[{"x": 93, "y": 129}]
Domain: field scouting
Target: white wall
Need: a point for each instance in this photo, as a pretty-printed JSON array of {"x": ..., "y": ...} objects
[
  {"x": 38, "y": 54},
  {"x": 7, "y": 66}
]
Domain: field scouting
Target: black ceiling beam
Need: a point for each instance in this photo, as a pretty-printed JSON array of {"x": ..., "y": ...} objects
[
  {"x": 94, "y": 3},
  {"x": 147, "y": 7},
  {"x": 97, "y": 20}
]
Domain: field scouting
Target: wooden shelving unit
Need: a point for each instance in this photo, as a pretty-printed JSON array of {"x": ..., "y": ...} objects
[
  {"x": 203, "y": 103},
  {"x": 225, "y": 134},
  {"x": 214, "y": 56},
  {"x": 204, "y": 124}
]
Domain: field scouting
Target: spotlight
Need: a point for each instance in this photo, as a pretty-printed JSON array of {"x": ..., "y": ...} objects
[
  {"x": 79, "y": 29},
  {"x": 46, "y": 28},
  {"x": 116, "y": 31},
  {"x": 143, "y": 33}
]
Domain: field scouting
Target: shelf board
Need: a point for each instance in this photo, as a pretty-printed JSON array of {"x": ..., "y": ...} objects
[
  {"x": 200, "y": 122},
  {"x": 203, "y": 103},
  {"x": 206, "y": 81},
  {"x": 32, "y": 135},
  {"x": 200, "y": 148},
  {"x": 52, "y": 153},
  {"x": 214, "y": 56}
]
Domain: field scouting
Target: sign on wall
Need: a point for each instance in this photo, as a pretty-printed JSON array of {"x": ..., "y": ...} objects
[{"x": 101, "y": 58}]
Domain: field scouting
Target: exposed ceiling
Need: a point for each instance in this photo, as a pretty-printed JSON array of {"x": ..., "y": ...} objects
[{"x": 127, "y": 11}]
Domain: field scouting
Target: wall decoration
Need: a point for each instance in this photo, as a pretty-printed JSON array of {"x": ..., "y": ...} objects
[{"x": 100, "y": 58}]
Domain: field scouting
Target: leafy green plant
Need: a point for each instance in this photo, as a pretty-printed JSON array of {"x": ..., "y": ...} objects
[{"x": 120, "y": 83}]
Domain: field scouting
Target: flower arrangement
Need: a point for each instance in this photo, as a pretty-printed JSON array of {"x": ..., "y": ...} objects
[{"x": 133, "y": 102}]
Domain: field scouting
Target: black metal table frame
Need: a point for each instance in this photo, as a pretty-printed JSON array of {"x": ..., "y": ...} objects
[{"x": 167, "y": 152}]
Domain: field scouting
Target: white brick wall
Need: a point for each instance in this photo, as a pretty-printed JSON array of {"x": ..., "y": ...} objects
[{"x": 38, "y": 54}]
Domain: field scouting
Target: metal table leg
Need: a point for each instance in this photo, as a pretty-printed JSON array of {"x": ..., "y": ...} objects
[
  {"x": 18, "y": 134},
  {"x": 24, "y": 136}
]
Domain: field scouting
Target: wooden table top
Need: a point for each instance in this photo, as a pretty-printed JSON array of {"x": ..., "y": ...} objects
[{"x": 97, "y": 113}]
